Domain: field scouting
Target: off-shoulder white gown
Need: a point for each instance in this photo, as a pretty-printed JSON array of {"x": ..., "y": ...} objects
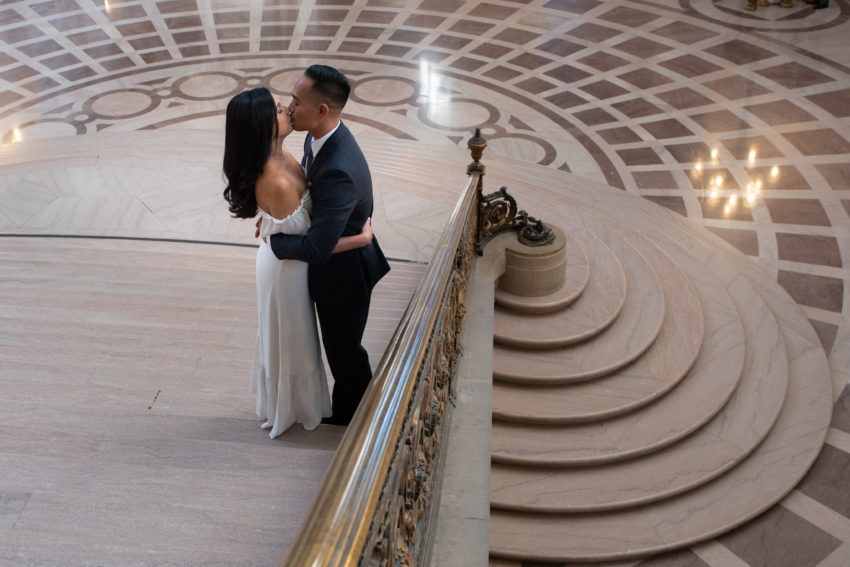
[{"x": 288, "y": 375}]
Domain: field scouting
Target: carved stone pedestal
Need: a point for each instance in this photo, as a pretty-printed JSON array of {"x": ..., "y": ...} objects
[{"x": 534, "y": 271}]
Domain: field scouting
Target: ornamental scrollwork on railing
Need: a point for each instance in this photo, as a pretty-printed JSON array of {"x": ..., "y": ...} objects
[
  {"x": 498, "y": 212},
  {"x": 401, "y": 527},
  {"x": 535, "y": 233}
]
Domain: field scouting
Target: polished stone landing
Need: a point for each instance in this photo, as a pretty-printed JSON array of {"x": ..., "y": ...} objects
[{"x": 127, "y": 432}]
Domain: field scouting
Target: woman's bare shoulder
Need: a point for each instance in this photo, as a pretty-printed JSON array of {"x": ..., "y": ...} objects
[
  {"x": 277, "y": 182},
  {"x": 278, "y": 193}
]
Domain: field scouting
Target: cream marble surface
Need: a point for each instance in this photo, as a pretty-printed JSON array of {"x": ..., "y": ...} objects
[
  {"x": 763, "y": 478},
  {"x": 516, "y": 172},
  {"x": 565, "y": 85},
  {"x": 716, "y": 378},
  {"x": 128, "y": 430},
  {"x": 154, "y": 189},
  {"x": 711, "y": 450},
  {"x": 668, "y": 360},
  {"x": 630, "y": 334},
  {"x": 521, "y": 178},
  {"x": 576, "y": 279},
  {"x": 462, "y": 529},
  {"x": 599, "y": 304}
]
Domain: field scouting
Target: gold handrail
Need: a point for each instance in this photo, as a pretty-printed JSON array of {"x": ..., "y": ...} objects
[{"x": 377, "y": 468}]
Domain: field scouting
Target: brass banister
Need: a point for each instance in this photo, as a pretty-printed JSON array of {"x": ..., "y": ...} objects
[{"x": 372, "y": 506}]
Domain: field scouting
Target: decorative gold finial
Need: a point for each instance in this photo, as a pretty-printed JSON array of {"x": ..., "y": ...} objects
[{"x": 476, "y": 147}]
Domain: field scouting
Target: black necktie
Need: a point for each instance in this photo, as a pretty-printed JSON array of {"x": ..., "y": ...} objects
[{"x": 309, "y": 161}]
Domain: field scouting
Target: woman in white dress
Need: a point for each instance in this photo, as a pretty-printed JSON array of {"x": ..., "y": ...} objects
[{"x": 263, "y": 177}]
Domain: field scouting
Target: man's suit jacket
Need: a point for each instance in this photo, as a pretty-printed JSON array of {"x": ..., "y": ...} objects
[{"x": 341, "y": 188}]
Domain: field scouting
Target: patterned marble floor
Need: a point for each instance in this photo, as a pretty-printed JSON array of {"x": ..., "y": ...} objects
[{"x": 111, "y": 121}]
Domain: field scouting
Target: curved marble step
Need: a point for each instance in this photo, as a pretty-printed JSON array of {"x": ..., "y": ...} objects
[
  {"x": 576, "y": 279},
  {"x": 631, "y": 333},
  {"x": 692, "y": 461},
  {"x": 597, "y": 306},
  {"x": 667, "y": 361},
  {"x": 692, "y": 403},
  {"x": 761, "y": 480},
  {"x": 586, "y": 317},
  {"x": 601, "y": 303}
]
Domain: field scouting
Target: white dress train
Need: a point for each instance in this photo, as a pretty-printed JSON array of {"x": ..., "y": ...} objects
[{"x": 288, "y": 374}]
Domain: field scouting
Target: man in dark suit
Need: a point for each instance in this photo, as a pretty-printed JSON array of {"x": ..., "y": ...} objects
[{"x": 341, "y": 187}]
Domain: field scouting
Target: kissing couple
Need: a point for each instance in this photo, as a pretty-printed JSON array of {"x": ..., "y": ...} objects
[{"x": 316, "y": 249}]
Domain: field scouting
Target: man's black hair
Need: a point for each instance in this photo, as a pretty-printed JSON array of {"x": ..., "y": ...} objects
[{"x": 329, "y": 85}]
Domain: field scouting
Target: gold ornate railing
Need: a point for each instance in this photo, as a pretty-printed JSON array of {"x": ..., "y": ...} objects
[{"x": 374, "y": 505}]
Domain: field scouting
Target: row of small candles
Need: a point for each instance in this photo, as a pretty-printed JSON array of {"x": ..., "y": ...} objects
[{"x": 715, "y": 183}]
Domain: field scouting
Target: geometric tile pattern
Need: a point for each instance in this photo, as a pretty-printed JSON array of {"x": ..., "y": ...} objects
[
  {"x": 739, "y": 121},
  {"x": 780, "y": 538}
]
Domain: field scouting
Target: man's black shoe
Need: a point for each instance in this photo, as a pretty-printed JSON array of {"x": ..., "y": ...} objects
[{"x": 334, "y": 420}]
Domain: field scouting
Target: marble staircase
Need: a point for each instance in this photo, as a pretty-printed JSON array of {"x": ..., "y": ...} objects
[{"x": 667, "y": 393}]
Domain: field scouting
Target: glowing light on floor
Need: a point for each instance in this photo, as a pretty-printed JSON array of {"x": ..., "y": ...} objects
[
  {"x": 424, "y": 77},
  {"x": 429, "y": 85},
  {"x": 16, "y": 135}
]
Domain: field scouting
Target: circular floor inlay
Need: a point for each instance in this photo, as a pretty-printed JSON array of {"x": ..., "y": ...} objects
[
  {"x": 208, "y": 86},
  {"x": 458, "y": 114},
  {"x": 121, "y": 103},
  {"x": 384, "y": 91},
  {"x": 42, "y": 130},
  {"x": 518, "y": 148},
  {"x": 283, "y": 81}
]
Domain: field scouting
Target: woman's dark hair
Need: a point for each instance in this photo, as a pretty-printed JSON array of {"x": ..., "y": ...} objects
[
  {"x": 249, "y": 132},
  {"x": 331, "y": 86}
]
